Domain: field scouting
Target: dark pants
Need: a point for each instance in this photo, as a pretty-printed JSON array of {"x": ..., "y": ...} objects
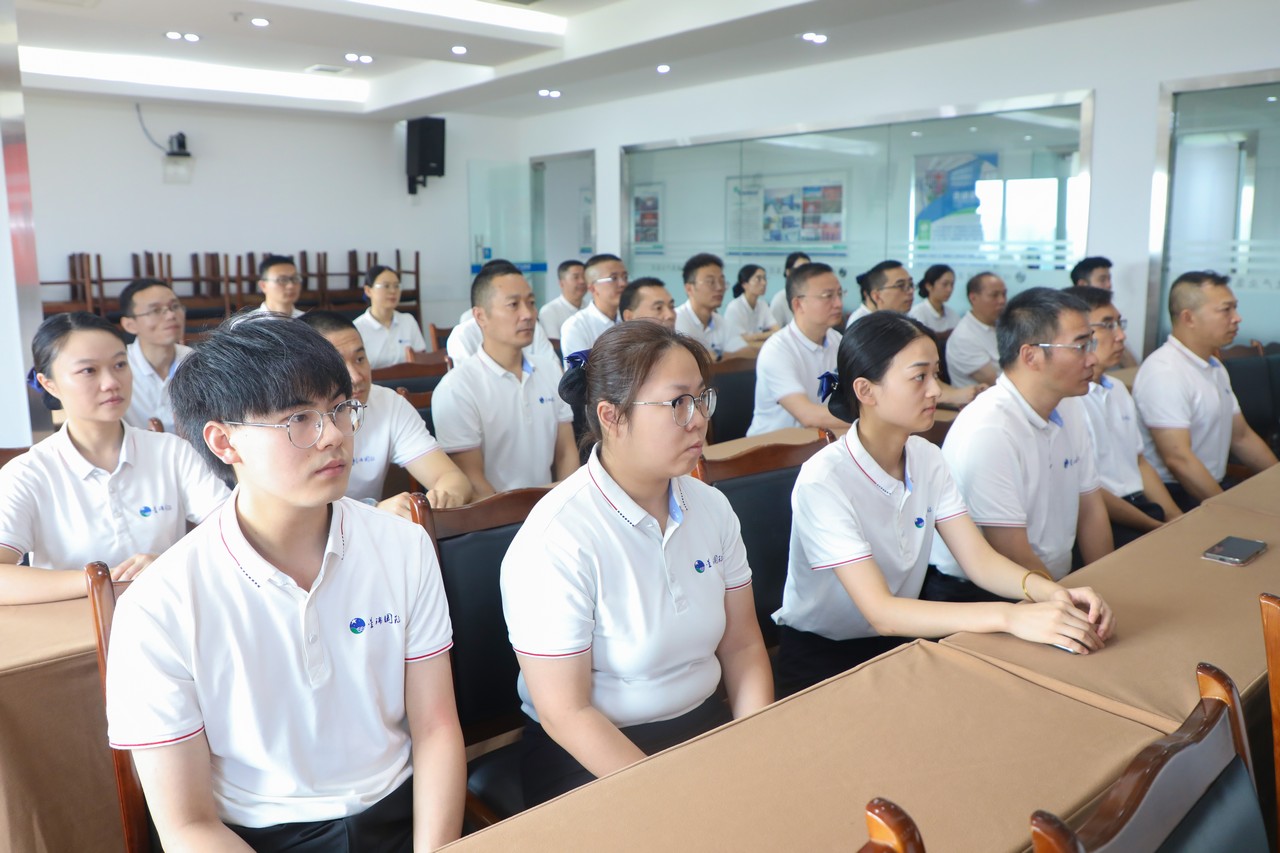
[
  {"x": 804, "y": 659},
  {"x": 384, "y": 827},
  {"x": 943, "y": 587},
  {"x": 1123, "y": 535},
  {"x": 549, "y": 771},
  {"x": 1183, "y": 498}
]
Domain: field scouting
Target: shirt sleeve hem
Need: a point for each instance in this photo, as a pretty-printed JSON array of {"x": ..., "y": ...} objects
[
  {"x": 866, "y": 556},
  {"x": 552, "y": 654},
  {"x": 994, "y": 523},
  {"x": 154, "y": 743},
  {"x": 439, "y": 651},
  {"x": 747, "y": 582},
  {"x": 950, "y": 516}
]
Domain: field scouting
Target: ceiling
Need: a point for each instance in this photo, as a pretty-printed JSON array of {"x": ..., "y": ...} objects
[{"x": 589, "y": 50}]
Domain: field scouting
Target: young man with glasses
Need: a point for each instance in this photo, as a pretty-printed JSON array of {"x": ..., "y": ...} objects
[
  {"x": 698, "y": 317},
  {"x": 1137, "y": 501},
  {"x": 280, "y": 284},
  {"x": 606, "y": 277},
  {"x": 791, "y": 362},
  {"x": 282, "y": 675},
  {"x": 973, "y": 356},
  {"x": 153, "y": 314},
  {"x": 1021, "y": 453}
]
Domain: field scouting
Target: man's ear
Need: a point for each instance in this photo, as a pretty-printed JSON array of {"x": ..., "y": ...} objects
[
  {"x": 129, "y": 324},
  {"x": 218, "y": 438}
]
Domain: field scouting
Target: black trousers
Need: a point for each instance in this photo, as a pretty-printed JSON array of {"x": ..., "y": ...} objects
[
  {"x": 547, "y": 770},
  {"x": 804, "y": 659},
  {"x": 1123, "y": 535},
  {"x": 384, "y": 827},
  {"x": 1183, "y": 498}
]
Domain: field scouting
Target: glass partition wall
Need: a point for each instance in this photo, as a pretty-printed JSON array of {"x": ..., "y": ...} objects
[{"x": 1001, "y": 191}]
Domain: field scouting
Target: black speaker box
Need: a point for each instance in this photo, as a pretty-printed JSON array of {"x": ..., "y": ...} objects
[{"x": 424, "y": 148}]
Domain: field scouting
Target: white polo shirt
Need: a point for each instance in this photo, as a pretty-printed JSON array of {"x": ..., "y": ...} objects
[
  {"x": 971, "y": 346},
  {"x": 856, "y": 315},
  {"x": 944, "y": 322},
  {"x": 1016, "y": 469},
  {"x": 150, "y": 397},
  {"x": 1177, "y": 389},
  {"x": 383, "y": 345},
  {"x": 55, "y": 504},
  {"x": 714, "y": 336},
  {"x": 513, "y": 420},
  {"x": 392, "y": 433},
  {"x": 580, "y": 331},
  {"x": 466, "y": 337},
  {"x": 846, "y": 509},
  {"x": 789, "y": 363},
  {"x": 741, "y": 319},
  {"x": 300, "y": 694},
  {"x": 262, "y": 309},
  {"x": 1112, "y": 419},
  {"x": 591, "y": 571},
  {"x": 552, "y": 315},
  {"x": 780, "y": 308}
]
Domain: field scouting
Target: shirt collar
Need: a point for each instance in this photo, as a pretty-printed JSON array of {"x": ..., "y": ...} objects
[
  {"x": 496, "y": 369},
  {"x": 258, "y": 571},
  {"x": 804, "y": 340},
  {"x": 621, "y": 503},
  {"x": 687, "y": 308},
  {"x": 1197, "y": 360},
  {"x": 887, "y": 484},
  {"x": 82, "y": 467},
  {"x": 1105, "y": 382},
  {"x": 600, "y": 315},
  {"x": 1033, "y": 417},
  {"x": 980, "y": 323}
]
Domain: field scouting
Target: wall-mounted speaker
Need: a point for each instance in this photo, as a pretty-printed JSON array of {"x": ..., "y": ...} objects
[{"x": 423, "y": 151}]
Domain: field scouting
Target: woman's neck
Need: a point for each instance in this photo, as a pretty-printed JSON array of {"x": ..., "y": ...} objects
[
  {"x": 650, "y": 492},
  {"x": 751, "y": 298},
  {"x": 383, "y": 315},
  {"x": 937, "y": 305},
  {"x": 98, "y": 442},
  {"x": 885, "y": 443}
]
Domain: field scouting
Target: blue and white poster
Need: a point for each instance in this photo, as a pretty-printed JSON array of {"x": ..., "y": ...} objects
[{"x": 947, "y": 197}]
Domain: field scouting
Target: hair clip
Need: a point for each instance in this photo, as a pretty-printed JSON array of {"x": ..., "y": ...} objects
[
  {"x": 577, "y": 359},
  {"x": 32, "y": 381},
  {"x": 827, "y": 385}
]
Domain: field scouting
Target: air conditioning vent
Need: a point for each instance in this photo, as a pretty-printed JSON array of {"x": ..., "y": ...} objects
[{"x": 331, "y": 70}]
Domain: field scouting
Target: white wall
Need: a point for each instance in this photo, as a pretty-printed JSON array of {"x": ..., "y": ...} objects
[
  {"x": 566, "y": 179},
  {"x": 1122, "y": 58},
  {"x": 263, "y": 180}
]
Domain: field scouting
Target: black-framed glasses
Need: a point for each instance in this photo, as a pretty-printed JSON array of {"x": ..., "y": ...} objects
[
  {"x": 1111, "y": 325},
  {"x": 304, "y": 428},
  {"x": 902, "y": 286},
  {"x": 682, "y": 407},
  {"x": 285, "y": 280},
  {"x": 175, "y": 307},
  {"x": 1090, "y": 345}
]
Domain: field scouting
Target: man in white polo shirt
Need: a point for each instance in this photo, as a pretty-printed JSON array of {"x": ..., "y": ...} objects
[
  {"x": 648, "y": 299},
  {"x": 282, "y": 674},
  {"x": 571, "y": 275},
  {"x": 1191, "y": 418},
  {"x": 606, "y": 277},
  {"x": 1021, "y": 453},
  {"x": 973, "y": 357},
  {"x": 1137, "y": 502},
  {"x": 499, "y": 415},
  {"x": 280, "y": 284},
  {"x": 885, "y": 287},
  {"x": 155, "y": 317},
  {"x": 791, "y": 361},
  {"x": 699, "y": 317}
]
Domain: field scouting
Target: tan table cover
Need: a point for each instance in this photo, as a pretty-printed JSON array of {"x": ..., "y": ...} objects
[
  {"x": 1260, "y": 493},
  {"x": 57, "y": 787},
  {"x": 967, "y": 749}
]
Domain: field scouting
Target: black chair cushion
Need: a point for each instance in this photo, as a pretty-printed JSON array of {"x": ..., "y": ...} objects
[
  {"x": 735, "y": 404},
  {"x": 1227, "y": 817},
  {"x": 427, "y": 419},
  {"x": 495, "y": 778},
  {"x": 1251, "y": 380},
  {"x": 412, "y": 384}
]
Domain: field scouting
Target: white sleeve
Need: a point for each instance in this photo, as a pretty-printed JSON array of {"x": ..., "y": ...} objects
[
  {"x": 410, "y": 437},
  {"x": 1163, "y": 402},
  {"x": 416, "y": 340},
  {"x": 1089, "y": 480},
  {"x": 548, "y": 594},
  {"x": 990, "y": 477},
  {"x": 462, "y": 343},
  {"x": 965, "y": 355},
  {"x": 19, "y": 503},
  {"x": 735, "y": 569},
  {"x": 429, "y": 631},
  {"x": 574, "y": 336},
  {"x": 826, "y": 523},
  {"x": 736, "y": 321},
  {"x": 783, "y": 375},
  {"x": 456, "y": 415}
]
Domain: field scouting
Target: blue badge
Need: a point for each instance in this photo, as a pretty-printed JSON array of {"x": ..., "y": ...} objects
[
  {"x": 357, "y": 625},
  {"x": 145, "y": 512},
  {"x": 699, "y": 567},
  {"x": 919, "y": 523}
]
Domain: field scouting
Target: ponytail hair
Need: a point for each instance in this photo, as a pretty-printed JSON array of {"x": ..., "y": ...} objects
[
  {"x": 744, "y": 276},
  {"x": 48, "y": 342},
  {"x": 866, "y": 351},
  {"x": 931, "y": 277}
]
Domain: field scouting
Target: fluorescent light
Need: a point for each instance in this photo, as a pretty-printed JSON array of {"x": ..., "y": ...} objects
[
  {"x": 191, "y": 37},
  {"x": 260, "y": 22},
  {"x": 366, "y": 58},
  {"x": 459, "y": 50},
  {"x": 185, "y": 74},
  {"x": 663, "y": 69},
  {"x": 173, "y": 35},
  {"x": 1026, "y": 138},
  {"x": 478, "y": 12},
  {"x": 917, "y": 134}
]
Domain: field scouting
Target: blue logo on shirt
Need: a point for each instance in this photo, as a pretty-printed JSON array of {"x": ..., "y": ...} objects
[
  {"x": 362, "y": 459},
  {"x": 699, "y": 567},
  {"x": 919, "y": 523},
  {"x": 148, "y": 511},
  {"x": 357, "y": 625}
]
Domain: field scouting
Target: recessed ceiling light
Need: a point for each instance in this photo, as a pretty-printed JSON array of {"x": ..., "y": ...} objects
[
  {"x": 191, "y": 37},
  {"x": 173, "y": 35},
  {"x": 365, "y": 58},
  {"x": 352, "y": 57},
  {"x": 544, "y": 93},
  {"x": 663, "y": 69},
  {"x": 1271, "y": 99},
  {"x": 1026, "y": 138},
  {"x": 260, "y": 22},
  {"x": 917, "y": 134},
  {"x": 555, "y": 93},
  {"x": 459, "y": 50},
  {"x": 973, "y": 130},
  {"x": 816, "y": 38}
]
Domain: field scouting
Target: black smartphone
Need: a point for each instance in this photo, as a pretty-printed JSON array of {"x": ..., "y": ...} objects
[{"x": 1235, "y": 551}]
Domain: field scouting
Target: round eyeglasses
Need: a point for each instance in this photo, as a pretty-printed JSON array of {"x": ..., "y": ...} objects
[
  {"x": 175, "y": 307},
  {"x": 1090, "y": 345},
  {"x": 1111, "y": 325},
  {"x": 304, "y": 428},
  {"x": 682, "y": 407}
]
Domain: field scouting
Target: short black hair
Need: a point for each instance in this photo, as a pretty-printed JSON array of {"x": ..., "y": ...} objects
[
  {"x": 483, "y": 282},
  {"x": 1094, "y": 297},
  {"x": 327, "y": 322},
  {"x": 1084, "y": 269},
  {"x": 631, "y": 293},
  {"x": 800, "y": 276},
  {"x": 53, "y": 333},
  {"x": 697, "y": 262},
  {"x": 1031, "y": 317},
  {"x": 272, "y": 260},
  {"x": 133, "y": 288},
  {"x": 1187, "y": 291},
  {"x": 565, "y": 266},
  {"x": 789, "y": 265},
  {"x": 975, "y": 282},
  {"x": 376, "y": 270},
  {"x": 867, "y": 350},
  {"x": 873, "y": 279},
  {"x": 250, "y": 367}
]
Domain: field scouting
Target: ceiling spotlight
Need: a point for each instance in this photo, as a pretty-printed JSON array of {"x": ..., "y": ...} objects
[
  {"x": 459, "y": 50},
  {"x": 173, "y": 35},
  {"x": 808, "y": 36},
  {"x": 973, "y": 130},
  {"x": 353, "y": 57},
  {"x": 191, "y": 37},
  {"x": 1271, "y": 99},
  {"x": 819, "y": 39},
  {"x": 544, "y": 93},
  {"x": 917, "y": 134},
  {"x": 260, "y": 22},
  {"x": 365, "y": 58},
  {"x": 1026, "y": 138},
  {"x": 663, "y": 69},
  {"x": 555, "y": 93}
]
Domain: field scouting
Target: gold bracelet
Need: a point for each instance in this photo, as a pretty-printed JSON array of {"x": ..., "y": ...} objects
[{"x": 1029, "y": 573}]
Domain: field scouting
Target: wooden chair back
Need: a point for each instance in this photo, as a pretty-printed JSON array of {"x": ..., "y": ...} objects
[
  {"x": 8, "y": 454},
  {"x": 891, "y": 829},
  {"x": 1191, "y": 790},
  {"x": 438, "y": 336},
  {"x": 735, "y": 382},
  {"x": 103, "y": 593},
  {"x": 415, "y": 376},
  {"x": 1270, "y": 605}
]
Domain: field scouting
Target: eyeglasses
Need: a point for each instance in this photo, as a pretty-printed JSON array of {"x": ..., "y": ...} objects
[
  {"x": 829, "y": 296},
  {"x": 304, "y": 428},
  {"x": 682, "y": 407},
  {"x": 902, "y": 286},
  {"x": 383, "y": 285},
  {"x": 710, "y": 282},
  {"x": 1111, "y": 325},
  {"x": 285, "y": 280},
  {"x": 175, "y": 307},
  {"x": 1090, "y": 345},
  {"x": 616, "y": 278}
]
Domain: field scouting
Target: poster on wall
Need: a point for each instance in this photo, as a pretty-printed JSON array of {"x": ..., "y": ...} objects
[
  {"x": 947, "y": 197},
  {"x": 646, "y": 219},
  {"x": 783, "y": 212}
]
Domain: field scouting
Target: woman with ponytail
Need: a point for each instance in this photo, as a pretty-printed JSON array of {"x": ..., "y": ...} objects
[
  {"x": 627, "y": 592},
  {"x": 97, "y": 489},
  {"x": 748, "y": 315},
  {"x": 865, "y": 511}
]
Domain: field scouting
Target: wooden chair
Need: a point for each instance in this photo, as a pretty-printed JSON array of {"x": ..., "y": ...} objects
[
  {"x": 891, "y": 829},
  {"x": 103, "y": 593},
  {"x": 1189, "y": 791},
  {"x": 1242, "y": 351},
  {"x": 154, "y": 425},
  {"x": 438, "y": 336},
  {"x": 470, "y": 543},
  {"x": 424, "y": 376},
  {"x": 1270, "y": 605},
  {"x": 8, "y": 454},
  {"x": 758, "y": 484}
]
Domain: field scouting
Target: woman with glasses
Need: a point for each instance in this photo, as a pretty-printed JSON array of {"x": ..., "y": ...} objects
[
  {"x": 748, "y": 315},
  {"x": 864, "y": 514},
  {"x": 390, "y": 336},
  {"x": 627, "y": 592},
  {"x": 97, "y": 489}
]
